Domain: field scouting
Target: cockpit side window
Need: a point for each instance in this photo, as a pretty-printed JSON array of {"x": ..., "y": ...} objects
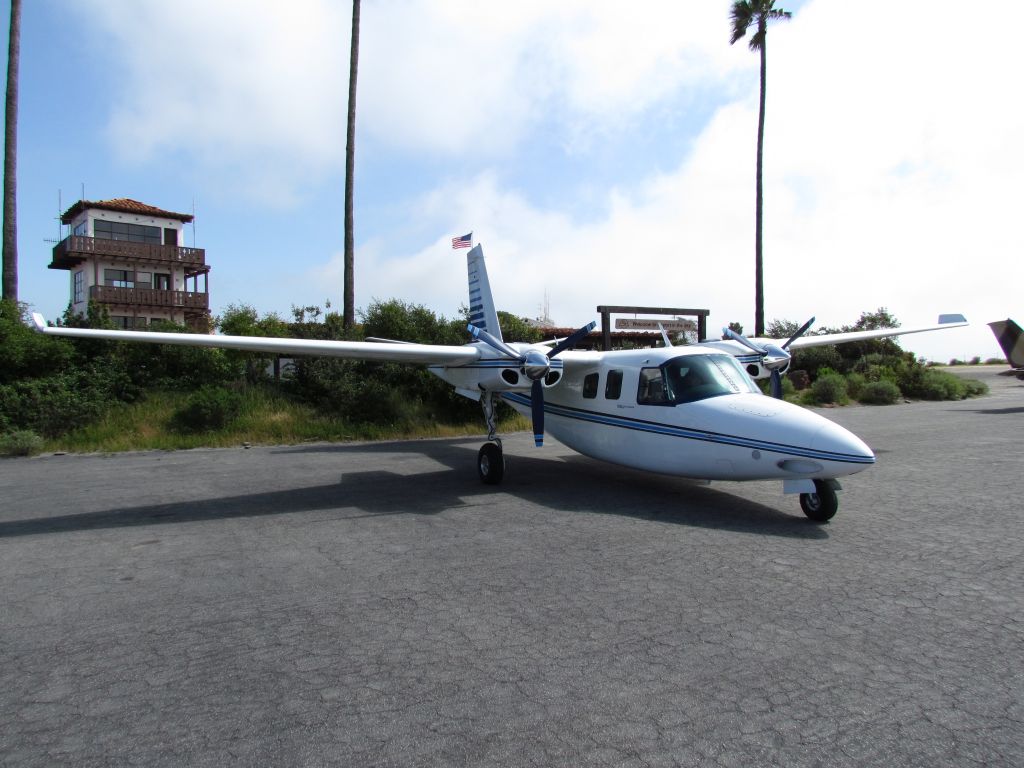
[{"x": 651, "y": 389}]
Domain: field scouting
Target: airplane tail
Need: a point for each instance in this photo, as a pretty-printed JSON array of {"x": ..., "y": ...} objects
[
  {"x": 482, "y": 313},
  {"x": 1011, "y": 339}
]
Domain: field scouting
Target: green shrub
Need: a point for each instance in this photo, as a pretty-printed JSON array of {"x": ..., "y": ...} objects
[
  {"x": 209, "y": 408},
  {"x": 830, "y": 389},
  {"x": 815, "y": 359},
  {"x": 974, "y": 387},
  {"x": 855, "y": 383},
  {"x": 787, "y": 387},
  {"x": 939, "y": 385},
  {"x": 21, "y": 442},
  {"x": 879, "y": 393}
]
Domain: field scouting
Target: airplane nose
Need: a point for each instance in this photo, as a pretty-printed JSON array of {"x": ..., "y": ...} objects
[{"x": 842, "y": 445}]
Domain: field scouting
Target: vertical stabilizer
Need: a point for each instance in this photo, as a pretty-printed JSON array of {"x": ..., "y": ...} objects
[
  {"x": 481, "y": 305},
  {"x": 1011, "y": 339}
]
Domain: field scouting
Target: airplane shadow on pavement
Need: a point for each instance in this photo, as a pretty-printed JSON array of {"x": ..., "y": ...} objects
[{"x": 571, "y": 483}]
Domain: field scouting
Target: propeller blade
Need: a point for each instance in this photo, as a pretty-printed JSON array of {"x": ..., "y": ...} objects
[
  {"x": 498, "y": 344},
  {"x": 798, "y": 334},
  {"x": 537, "y": 409},
  {"x": 776, "y": 384},
  {"x": 572, "y": 339},
  {"x": 730, "y": 333}
]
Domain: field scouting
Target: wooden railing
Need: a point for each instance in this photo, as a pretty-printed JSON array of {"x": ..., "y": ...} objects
[
  {"x": 129, "y": 250},
  {"x": 149, "y": 297}
]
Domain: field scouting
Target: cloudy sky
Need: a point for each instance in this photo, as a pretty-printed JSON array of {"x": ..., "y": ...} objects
[{"x": 601, "y": 156}]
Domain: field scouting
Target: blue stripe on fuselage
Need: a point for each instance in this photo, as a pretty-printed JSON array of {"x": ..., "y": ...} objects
[{"x": 654, "y": 427}]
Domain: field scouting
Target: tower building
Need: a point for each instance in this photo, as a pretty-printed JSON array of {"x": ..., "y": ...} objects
[{"x": 131, "y": 258}]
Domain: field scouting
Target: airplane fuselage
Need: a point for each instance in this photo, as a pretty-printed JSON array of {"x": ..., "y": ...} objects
[{"x": 685, "y": 411}]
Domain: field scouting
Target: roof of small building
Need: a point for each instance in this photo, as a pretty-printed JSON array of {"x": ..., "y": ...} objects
[{"x": 122, "y": 205}]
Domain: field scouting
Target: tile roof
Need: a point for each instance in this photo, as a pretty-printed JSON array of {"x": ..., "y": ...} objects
[{"x": 122, "y": 205}]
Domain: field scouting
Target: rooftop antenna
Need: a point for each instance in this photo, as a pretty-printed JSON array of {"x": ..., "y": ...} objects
[
  {"x": 59, "y": 231},
  {"x": 193, "y": 221}
]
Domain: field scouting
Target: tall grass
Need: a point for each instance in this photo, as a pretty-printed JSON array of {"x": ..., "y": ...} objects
[{"x": 265, "y": 418}]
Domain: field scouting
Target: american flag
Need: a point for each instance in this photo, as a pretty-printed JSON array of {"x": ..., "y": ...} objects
[{"x": 466, "y": 241}]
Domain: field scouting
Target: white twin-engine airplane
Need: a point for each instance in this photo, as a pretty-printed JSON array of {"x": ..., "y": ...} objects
[{"x": 692, "y": 411}]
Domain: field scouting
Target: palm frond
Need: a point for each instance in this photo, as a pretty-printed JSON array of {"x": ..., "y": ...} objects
[{"x": 742, "y": 16}]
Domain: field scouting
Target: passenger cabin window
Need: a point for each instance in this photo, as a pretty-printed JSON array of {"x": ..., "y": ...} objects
[
  {"x": 613, "y": 385},
  {"x": 590, "y": 385},
  {"x": 691, "y": 378}
]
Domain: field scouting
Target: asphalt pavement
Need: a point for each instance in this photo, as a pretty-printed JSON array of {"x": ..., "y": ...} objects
[{"x": 375, "y": 605}]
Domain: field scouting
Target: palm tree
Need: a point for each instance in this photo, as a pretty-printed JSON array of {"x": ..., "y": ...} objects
[
  {"x": 10, "y": 244},
  {"x": 746, "y": 14},
  {"x": 350, "y": 167}
]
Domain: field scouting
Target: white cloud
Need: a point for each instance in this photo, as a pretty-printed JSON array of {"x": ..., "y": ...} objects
[
  {"x": 461, "y": 77},
  {"x": 890, "y": 181},
  {"x": 893, "y": 156},
  {"x": 252, "y": 92}
]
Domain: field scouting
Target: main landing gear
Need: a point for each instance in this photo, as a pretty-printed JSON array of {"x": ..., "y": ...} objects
[
  {"x": 821, "y": 506},
  {"x": 490, "y": 461}
]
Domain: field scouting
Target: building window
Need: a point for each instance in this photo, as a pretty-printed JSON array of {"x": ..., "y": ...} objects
[
  {"x": 118, "y": 278},
  {"x": 121, "y": 321},
  {"x": 590, "y": 385},
  {"x": 118, "y": 230},
  {"x": 613, "y": 385},
  {"x": 161, "y": 281},
  {"x": 81, "y": 227},
  {"x": 143, "y": 279},
  {"x": 79, "y": 287}
]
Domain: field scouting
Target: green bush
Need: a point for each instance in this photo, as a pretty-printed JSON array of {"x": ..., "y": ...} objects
[
  {"x": 21, "y": 442},
  {"x": 56, "y": 404},
  {"x": 209, "y": 408},
  {"x": 939, "y": 385},
  {"x": 855, "y": 383},
  {"x": 974, "y": 387},
  {"x": 788, "y": 390},
  {"x": 830, "y": 389},
  {"x": 879, "y": 393},
  {"x": 814, "y": 359}
]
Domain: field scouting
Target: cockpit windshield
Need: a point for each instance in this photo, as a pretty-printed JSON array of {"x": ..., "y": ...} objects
[{"x": 693, "y": 377}]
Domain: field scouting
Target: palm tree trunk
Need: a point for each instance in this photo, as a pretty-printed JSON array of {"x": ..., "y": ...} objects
[
  {"x": 350, "y": 163},
  {"x": 10, "y": 237},
  {"x": 759, "y": 215}
]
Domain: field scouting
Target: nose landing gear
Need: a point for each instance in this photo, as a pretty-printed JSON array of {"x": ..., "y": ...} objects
[{"x": 820, "y": 506}]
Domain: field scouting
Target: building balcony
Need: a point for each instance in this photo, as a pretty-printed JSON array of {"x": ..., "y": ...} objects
[
  {"x": 149, "y": 298},
  {"x": 74, "y": 250}
]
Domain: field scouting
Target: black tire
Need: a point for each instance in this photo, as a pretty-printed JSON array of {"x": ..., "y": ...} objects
[
  {"x": 490, "y": 463},
  {"x": 822, "y": 505}
]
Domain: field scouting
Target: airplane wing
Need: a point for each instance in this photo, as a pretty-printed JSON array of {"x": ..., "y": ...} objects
[
  {"x": 427, "y": 354},
  {"x": 945, "y": 321}
]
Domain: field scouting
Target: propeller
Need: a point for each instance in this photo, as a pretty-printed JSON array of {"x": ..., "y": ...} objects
[
  {"x": 535, "y": 365},
  {"x": 773, "y": 357}
]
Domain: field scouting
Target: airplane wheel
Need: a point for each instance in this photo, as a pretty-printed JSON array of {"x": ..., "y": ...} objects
[
  {"x": 822, "y": 505},
  {"x": 490, "y": 463}
]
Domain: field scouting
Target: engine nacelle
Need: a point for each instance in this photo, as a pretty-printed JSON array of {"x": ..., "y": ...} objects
[{"x": 496, "y": 376}]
